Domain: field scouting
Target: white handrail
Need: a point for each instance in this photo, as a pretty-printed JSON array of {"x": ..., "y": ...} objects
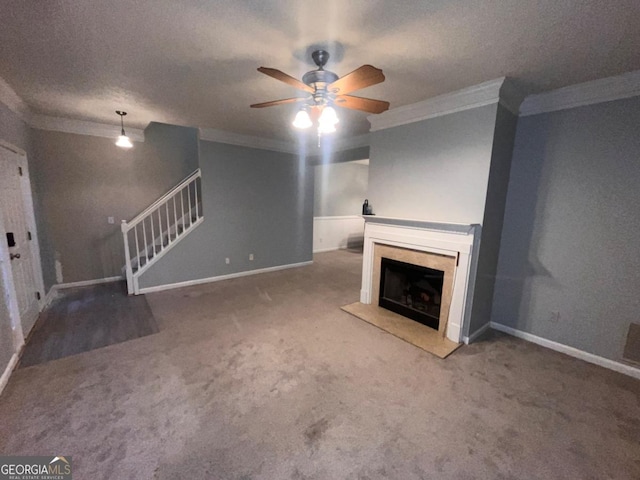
[
  {"x": 157, "y": 245},
  {"x": 138, "y": 218}
]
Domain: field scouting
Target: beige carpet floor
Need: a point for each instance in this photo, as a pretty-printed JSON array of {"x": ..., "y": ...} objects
[{"x": 265, "y": 377}]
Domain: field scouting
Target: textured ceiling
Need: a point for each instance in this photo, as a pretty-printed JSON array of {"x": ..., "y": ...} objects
[{"x": 194, "y": 62}]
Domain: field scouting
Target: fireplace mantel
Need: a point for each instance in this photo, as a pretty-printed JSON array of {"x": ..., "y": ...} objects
[{"x": 450, "y": 239}]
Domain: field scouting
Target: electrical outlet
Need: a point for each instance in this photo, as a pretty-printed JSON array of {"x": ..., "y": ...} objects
[
  {"x": 554, "y": 317},
  {"x": 251, "y": 257},
  {"x": 111, "y": 220},
  {"x": 227, "y": 261}
]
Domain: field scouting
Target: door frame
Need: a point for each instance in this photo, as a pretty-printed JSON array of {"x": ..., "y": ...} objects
[{"x": 10, "y": 293}]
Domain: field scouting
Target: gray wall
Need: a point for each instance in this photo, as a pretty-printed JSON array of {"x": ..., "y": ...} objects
[
  {"x": 339, "y": 189},
  {"x": 434, "y": 170},
  {"x": 254, "y": 201},
  {"x": 453, "y": 168},
  {"x": 501, "y": 153},
  {"x": 572, "y": 227},
  {"x": 81, "y": 180}
]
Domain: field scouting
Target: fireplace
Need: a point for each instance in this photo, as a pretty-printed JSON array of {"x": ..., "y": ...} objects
[
  {"x": 411, "y": 290},
  {"x": 442, "y": 254}
]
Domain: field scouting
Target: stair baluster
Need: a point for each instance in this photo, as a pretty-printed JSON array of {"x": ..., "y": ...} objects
[{"x": 168, "y": 234}]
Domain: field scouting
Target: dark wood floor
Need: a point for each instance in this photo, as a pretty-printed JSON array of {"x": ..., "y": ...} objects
[{"x": 86, "y": 318}]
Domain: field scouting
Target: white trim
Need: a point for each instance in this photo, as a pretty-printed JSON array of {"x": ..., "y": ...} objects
[
  {"x": 339, "y": 145},
  {"x": 220, "y": 136},
  {"x": 339, "y": 217},
  {"x": 455, "y": 240},
  {"x": 34, "y": 246},
  {"x": 12, "y": 100},
  {"x": 4, "y": 379},
  {"x": 85, "y": 283},
  {"x": 475, "y": 335},
  {"x": 480, "y": 95},
  {"x": 571, "y": 351},
  {"x": 12, "y": 147},
  {"x": 82, "y": 127},
  {"x": 52, "y": 294},
  {"x": 597, "y": 91},
  {"x": 511, "y": 97},
  {"x": 330, "y": 249},
  {"x": 350, "y": 143},
  {"x": 335, "y": 233},
  {"x": 164, "y": 251},
  {"x": 219, "y": 278}
]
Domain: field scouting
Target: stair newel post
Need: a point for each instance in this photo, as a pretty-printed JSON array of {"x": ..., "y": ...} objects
[{"x": 127, "y": 256}]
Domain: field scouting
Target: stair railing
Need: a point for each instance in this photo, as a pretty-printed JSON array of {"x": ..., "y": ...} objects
[{"x": 155, "y": 230}]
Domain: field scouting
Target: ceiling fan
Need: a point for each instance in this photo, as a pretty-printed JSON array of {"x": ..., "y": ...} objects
[{"x": 324, "y": 90}]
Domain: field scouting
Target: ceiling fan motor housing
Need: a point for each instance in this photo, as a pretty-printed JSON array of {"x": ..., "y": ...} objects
[{"x": 319, "y": 76}]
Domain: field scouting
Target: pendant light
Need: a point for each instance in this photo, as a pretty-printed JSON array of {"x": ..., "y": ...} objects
[{"x": 123, "y": 141}]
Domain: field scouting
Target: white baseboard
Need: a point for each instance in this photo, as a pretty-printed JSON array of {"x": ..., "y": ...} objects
[
  {"x": 49, "y": 297},
  {"x": 474, "y": 336},
  {"x": 330, "y": 249},
  {"x": 571, "y": 351},
  {"x": 219, "y": 278},
  {"x": 85, "y": 283},
  {"x": 4, "y": 379}
]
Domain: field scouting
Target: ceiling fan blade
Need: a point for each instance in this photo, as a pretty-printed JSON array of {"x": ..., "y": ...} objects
[
  {"x": 278, "y": 102},
  {"x": 359, "y": 103},
  {"x": 288, "y": 79},
  {"x": 362, "y": 77}
]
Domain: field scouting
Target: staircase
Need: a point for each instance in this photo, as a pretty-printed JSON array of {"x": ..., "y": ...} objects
[{"x": 155, "y": 231}]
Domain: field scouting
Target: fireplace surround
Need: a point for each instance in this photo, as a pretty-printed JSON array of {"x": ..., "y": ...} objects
[{"x": 447, "y": 247}]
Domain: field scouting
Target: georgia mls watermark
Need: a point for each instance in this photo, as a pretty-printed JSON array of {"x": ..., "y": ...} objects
[{"x": 35, "y": 468}]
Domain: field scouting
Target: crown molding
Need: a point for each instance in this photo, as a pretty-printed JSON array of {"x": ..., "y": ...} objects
[
  {"x": 511, "y": 97},
  {"x": 499, "y": 90},
  {"x": 340, "y": 144},
  {"x": 352, "y": 142},
  {"x": 221, "y": 136},
  {"x": 597, "y": 91},
  {"x": 12, "y": 100},
  {"x": 81, "y": 127}
]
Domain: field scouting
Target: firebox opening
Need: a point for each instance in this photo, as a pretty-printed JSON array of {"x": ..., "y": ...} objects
[{"x": 412, "y": 291}]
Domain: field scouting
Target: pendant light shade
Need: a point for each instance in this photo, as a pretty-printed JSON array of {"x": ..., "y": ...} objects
[{"x": 123, "y": 141}]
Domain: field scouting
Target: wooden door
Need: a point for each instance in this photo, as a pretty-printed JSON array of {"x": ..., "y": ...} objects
[{"x": 19, "y": 236}]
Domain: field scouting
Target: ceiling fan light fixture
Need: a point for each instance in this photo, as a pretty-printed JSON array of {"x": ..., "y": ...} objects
[
  {"x": 326, "y": 128},
  {"x": 123, "y": 141},
  {"x": 302, "y": 120},
  {"x": 328, "y": 116}
]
